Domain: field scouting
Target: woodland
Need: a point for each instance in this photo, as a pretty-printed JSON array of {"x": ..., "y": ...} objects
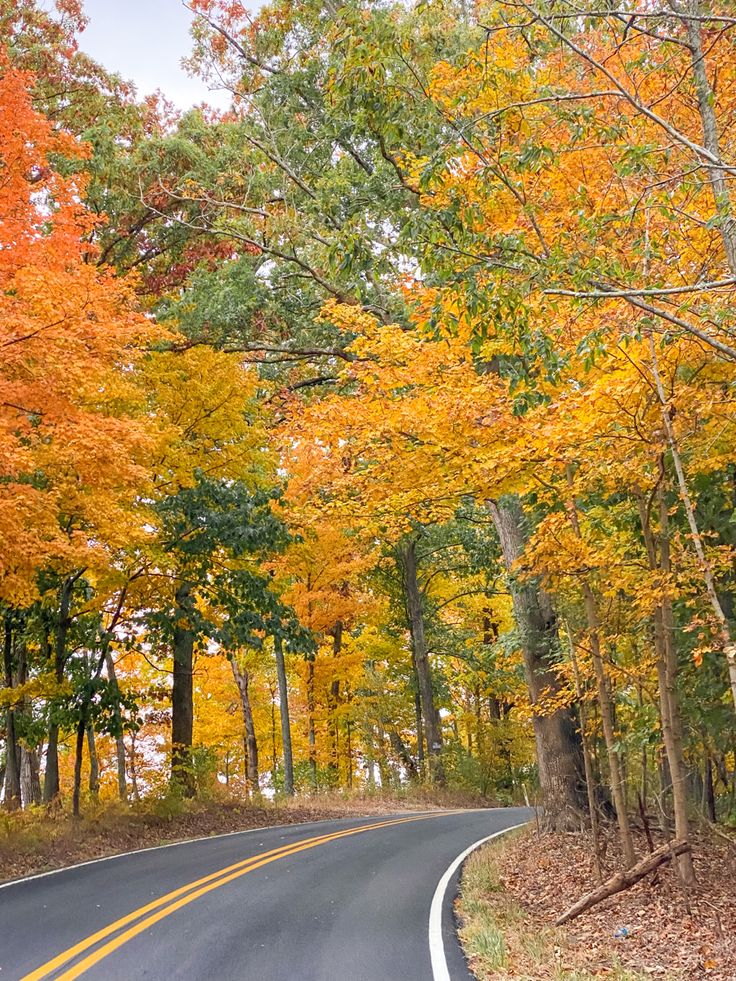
[{"x": 376, "y": 433}]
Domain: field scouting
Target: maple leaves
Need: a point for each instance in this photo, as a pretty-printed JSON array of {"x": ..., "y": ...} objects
[
  {"x": 70, "y": 336},
  {"x": 413, "y": 281}
]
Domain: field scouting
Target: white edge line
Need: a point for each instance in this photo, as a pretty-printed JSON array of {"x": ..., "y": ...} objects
[
  {"x": 440, "y": 970},
  {"x": 224, "y": 834}
]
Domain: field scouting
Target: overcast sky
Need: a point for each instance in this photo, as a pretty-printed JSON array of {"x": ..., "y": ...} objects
[{"x": 145, "y": 40}]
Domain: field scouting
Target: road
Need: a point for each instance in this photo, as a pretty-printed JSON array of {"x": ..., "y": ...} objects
[{"x": 345, "y": 900}]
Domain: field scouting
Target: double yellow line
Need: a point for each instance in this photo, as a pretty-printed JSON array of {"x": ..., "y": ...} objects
[{"x": 150, "y": 914}]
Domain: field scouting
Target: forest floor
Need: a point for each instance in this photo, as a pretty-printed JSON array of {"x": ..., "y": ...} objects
[
  {"x": 513, "y": 890},
  {"x": 44, "y": 838}
]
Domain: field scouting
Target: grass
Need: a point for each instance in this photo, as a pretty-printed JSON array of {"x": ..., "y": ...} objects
[{"x": 498, "y": 937}]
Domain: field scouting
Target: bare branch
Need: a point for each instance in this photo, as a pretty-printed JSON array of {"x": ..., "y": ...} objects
[
  {"x": 633, "y": 100},
  {"x": 606, "y": 294}
]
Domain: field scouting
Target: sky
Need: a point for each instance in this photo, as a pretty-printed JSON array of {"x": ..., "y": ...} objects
[{"x": 144, "y": 41}]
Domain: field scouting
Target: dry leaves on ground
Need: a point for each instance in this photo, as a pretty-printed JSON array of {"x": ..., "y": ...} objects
[{"x": 656, "y": 928}]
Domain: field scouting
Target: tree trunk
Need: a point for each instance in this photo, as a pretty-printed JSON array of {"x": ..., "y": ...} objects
[
  {"x": 274, "y": 767},
  {"x": 51, "y": 773},
  {"x": 557, "y": 741},
  {"x": 419, "y": 724},
  {"x": 12, "y": 797},
  {"x": 618, "y": 786},
  {"x": 30, "y": 782},
  {"x": 133, "y": 770},
  {"x": 334, "y": 701},
  {"x": 399, "y": 747},
  {"x": 706, "y": 107},
  {"x": 676, "y": 758},
  {"x": 587, "y": 760},
  {"x": 119, "y": 741},
  {"x": 709, "y": 791},
  {"x": 51, "y": 776},
  {"x": 669, "y": 710},
  {"x": 182, "y": 695},
  {"x": 349, "y": 744},
  {"x": 284, "y": 710},
  {"x": 727, "y": 642},
  {"x": 310, "y": 724},
  {"x": 94, "y": 763},
  {"x": 78, "y": 752},
  {"x": 369, "y": 756},
  {"x": 421, "y": 661},
  {"x": 242, "y": 680}
]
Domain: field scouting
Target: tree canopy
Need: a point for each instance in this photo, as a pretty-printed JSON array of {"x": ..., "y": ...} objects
[{"x": 378, "y": 430}]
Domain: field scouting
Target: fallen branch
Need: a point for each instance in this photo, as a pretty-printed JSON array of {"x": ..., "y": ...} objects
[{"x": 623, "y": 880}]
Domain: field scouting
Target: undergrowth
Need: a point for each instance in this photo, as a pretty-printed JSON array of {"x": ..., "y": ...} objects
[{"x": 497, "y": 937}]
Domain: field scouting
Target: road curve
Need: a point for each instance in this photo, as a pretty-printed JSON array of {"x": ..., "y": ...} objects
[{"x": 344, "y": 900}]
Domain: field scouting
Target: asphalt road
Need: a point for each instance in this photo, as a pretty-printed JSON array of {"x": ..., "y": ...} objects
[{"x": 309, "y": 902}]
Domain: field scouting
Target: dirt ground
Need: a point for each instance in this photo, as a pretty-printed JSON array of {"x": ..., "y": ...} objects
[{"x": 654, "y": 929}]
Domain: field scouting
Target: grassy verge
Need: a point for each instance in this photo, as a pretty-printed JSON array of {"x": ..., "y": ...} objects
[{"x": 504, "y": 943}]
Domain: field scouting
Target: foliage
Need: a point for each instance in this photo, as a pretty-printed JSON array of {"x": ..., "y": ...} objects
[{"x": 271, "y": 375}]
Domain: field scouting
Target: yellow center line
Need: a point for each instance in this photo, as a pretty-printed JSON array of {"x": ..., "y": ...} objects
[{"x": 200, "y": 887}]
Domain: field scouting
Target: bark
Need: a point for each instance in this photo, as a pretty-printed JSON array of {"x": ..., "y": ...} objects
[
  {"x": 490, "y": 635},
  {"x": 676, "y": 753},
  {"x": 310, "y": 724},
  {"x": 133, "y": 770},
  {"x": 644, "y": 792},
  {"x": 349, "y": 745},
  {"x": 557, "y": 742},
  {"x": 51, "y": 776},
  {"x": 78, "y": 752},
  {"x": 12, "y": 795},
  {"x": 250, "y": 744},
  {"x": 433, "y": 730},
  {"x": 724, "y": 632},
  {"x": 419, "y": 724},
  {"x": 665, "y": 781},
  {"x": 272, "y": 694},
  {"x": 587, "y": 760},
  {"x": 399, "y": 747},
  {"x": 182, "y": 695},
  {"x": 710, "y": 796},
  {"x": 623, "y": 880},
  {"x": 94, "y": 763},
  {"x": 284, "y": 711},
  {"x": 30, "y": 781},
  {"x": 119, "y": 741},
  {"x": 618, "y": 786},
  {"x": 706, "y": 108},
  {"x": 333, "y": 703},
  {"x": 666, "y": 654},
  {"x": 51, "y": 773}
]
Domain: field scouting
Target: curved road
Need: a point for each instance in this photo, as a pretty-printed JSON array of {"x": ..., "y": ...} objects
[{"x": 344, "y": 900}]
